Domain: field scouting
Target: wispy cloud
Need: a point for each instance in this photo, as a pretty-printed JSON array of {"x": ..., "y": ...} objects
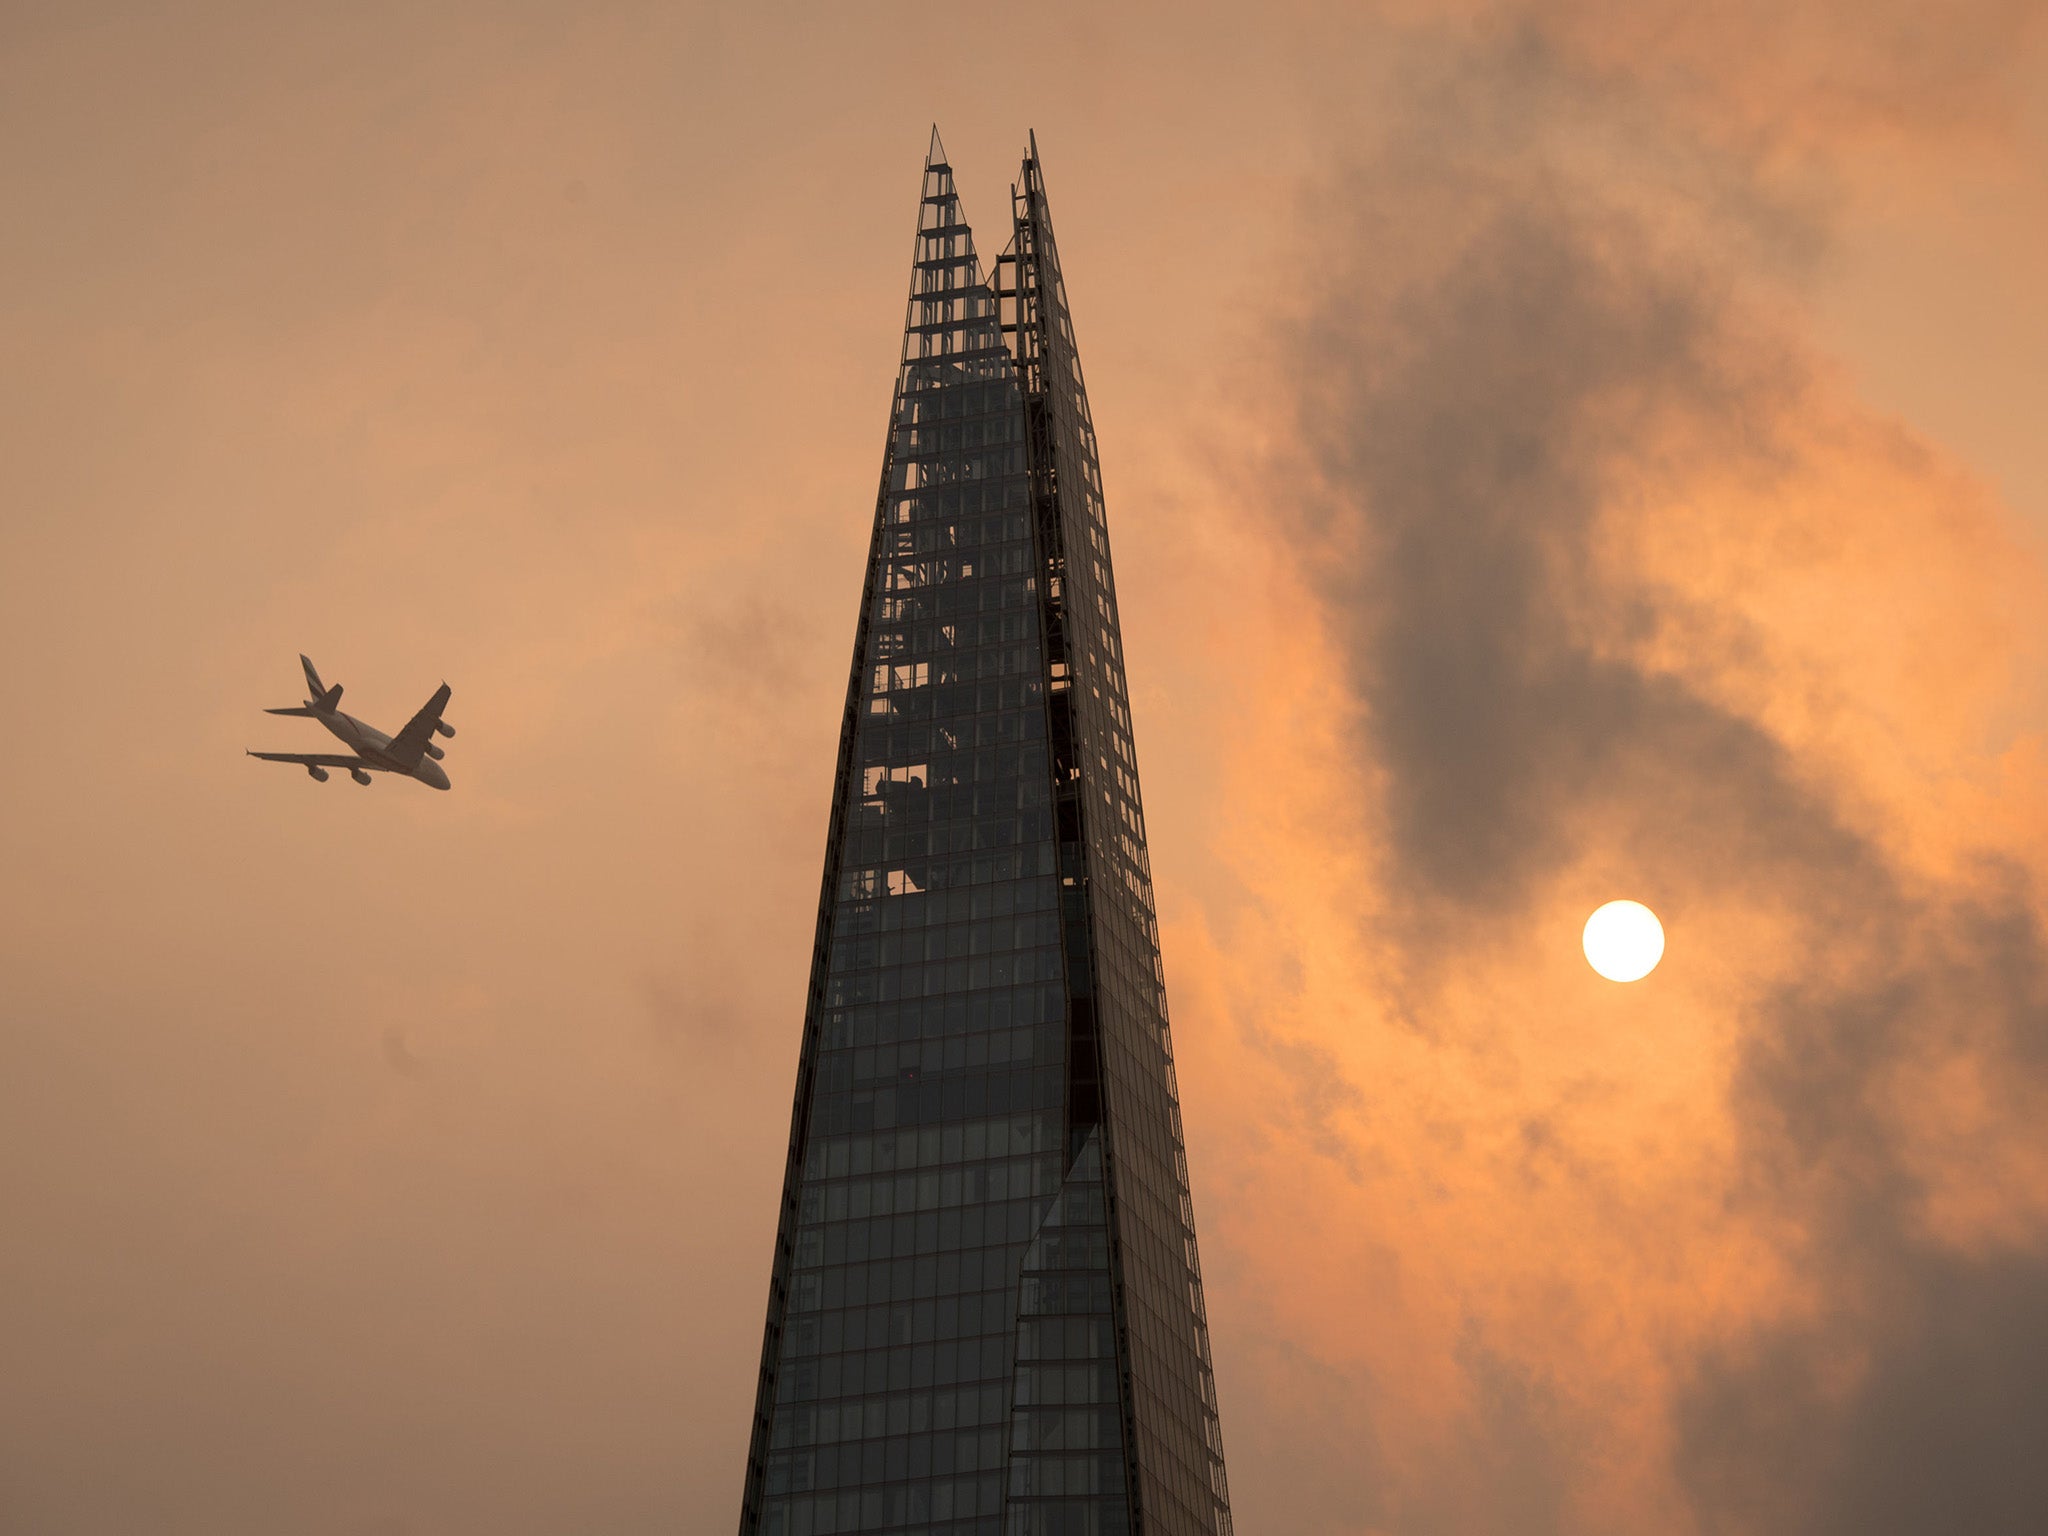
[{"x": 1615, "y": 589}]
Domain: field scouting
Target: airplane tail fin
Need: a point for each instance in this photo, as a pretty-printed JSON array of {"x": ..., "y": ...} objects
[{"x": 323, "y": 700}]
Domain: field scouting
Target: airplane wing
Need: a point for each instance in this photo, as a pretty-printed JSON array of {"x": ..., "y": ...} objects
[
  {"x": 315, "y": 760},
  {"x": 410, "y": 744}
]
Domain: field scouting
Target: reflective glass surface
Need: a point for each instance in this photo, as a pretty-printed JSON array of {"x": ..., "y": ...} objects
[
  {"x": 1178, "y": 1446},
  {"x": 985, "y": 1315}
]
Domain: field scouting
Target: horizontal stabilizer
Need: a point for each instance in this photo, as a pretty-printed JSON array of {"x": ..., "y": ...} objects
[
  {"x": 328, "y": 701},
  {"x": 297, "y": 709}
]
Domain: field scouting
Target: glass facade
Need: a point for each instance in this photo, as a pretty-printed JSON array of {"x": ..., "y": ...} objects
[{"x": 985, "y": 1314}]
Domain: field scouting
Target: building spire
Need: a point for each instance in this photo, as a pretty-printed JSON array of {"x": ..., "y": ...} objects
[{"x": 979, "y": 797}]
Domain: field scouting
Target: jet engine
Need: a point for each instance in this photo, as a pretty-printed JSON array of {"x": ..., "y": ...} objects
[
  {"x": 317, "y": 771},
  {"x": 444, "y": 727},
  {"x": 361, "y": 776},
  {"x": 435, "y": 752}
]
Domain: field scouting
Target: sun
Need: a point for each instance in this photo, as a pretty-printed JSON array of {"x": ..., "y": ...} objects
[{"x": 1624, "y": 941}]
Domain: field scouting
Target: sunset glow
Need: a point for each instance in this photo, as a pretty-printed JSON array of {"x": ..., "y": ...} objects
[{"x": 1553, "y": 452}]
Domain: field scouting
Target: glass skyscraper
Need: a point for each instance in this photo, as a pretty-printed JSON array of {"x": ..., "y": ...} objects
[{"x": 986, "y": 1314}]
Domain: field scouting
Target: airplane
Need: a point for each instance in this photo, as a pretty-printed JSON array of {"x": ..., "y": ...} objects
[{"x": 411, "y": 752}]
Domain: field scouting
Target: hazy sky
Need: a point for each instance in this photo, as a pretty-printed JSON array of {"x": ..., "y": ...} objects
[{"x": 1555, "y": 452}]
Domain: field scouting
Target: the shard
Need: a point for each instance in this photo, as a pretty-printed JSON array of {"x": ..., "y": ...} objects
[{"x": 986, "y": 1309}]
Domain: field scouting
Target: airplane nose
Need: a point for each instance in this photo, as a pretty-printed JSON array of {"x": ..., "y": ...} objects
[{"x": 434, "y": 774}]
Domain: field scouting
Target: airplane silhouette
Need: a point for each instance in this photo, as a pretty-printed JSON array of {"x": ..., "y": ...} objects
[{"x": 411, "y": 752}]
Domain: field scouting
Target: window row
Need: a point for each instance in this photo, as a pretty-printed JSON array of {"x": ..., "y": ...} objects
[
  {"x": 912, "y": 1232},
  {"x": 952, "y": 700},
  {"x": 1066, "y": 1338},
  {"x": 933, "y": 978},
  {"x": 928, "y": 909},
  {"x": 911, "y": 808},
  {"x": 956, "y": 503},
  {"x": 933, "y": 1017},
  {"x": 904, "y": 1508},
  {"x": 932, "y": 1146},
  {"x": 882, "y": 742},
  {"x": 952, "y": 358},
  {"x": 973, "y": 634},
  {"x": 1005, "y": 762},
  {"x": 1054, "y": 1385},
  {"x": 1070, "y": 1476},
  {"x": 952, "y": 666},
  {"x": 966, "y": 400},
  {"x": 803, "y": 1342},
  {"x": 900, "y": 1414},
  {"x": 952, "y": 309},
  {"x": 1072, "y": 1248},
  {"x": 919, "y": 472},
  {"x": 955, "y": 941},
  {"x": 907, "y": 1061},
  {"x": 917, "y": 1322},
  {"x": 953, "y": 600},
  {"x": 944, "y": 435},
  {"x": 1048, "y": 1295},
  {"x": 915, "y": 1458},
  {"x": 901, "y": 573},
  {"x": 922, "y": 1103},
  {"x": 899, "y": 1280},
  {"x": 1065, "y": 1429},
  {"x": 920, "y": 1366},
  {"x": 1015, "y": 846},
  {"x": 910, "y": 1213}
]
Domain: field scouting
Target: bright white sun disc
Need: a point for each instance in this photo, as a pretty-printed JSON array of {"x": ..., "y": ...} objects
[{"x": 1624, "y": 941}]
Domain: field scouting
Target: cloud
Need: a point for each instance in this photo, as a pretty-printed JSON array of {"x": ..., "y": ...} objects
[
  {"x": 1615, "y": 589},
  {"x": 1909, "y": 1400}
]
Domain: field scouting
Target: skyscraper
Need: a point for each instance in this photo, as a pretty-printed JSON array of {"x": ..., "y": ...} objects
[{"x": 986, "y": 1308}]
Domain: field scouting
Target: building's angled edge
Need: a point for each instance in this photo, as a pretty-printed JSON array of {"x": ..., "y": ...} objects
[
  {"x": 1173, "y": 1434},
  {"x": 807, "y": 1054}
]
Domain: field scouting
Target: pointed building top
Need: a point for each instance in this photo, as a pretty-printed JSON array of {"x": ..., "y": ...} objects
[{"x": 935, "y": 152}]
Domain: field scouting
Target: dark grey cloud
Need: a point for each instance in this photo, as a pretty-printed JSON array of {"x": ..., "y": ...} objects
[
  {"x": 1944, "y": 1352},
  {"x": 1498, "y": 341},
  {"x": 1470, "y": 430},
  {"x": 1941, "y": 1430}
]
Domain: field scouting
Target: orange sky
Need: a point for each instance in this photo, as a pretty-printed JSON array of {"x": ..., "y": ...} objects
[{"x": 1554, "y": 451}]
